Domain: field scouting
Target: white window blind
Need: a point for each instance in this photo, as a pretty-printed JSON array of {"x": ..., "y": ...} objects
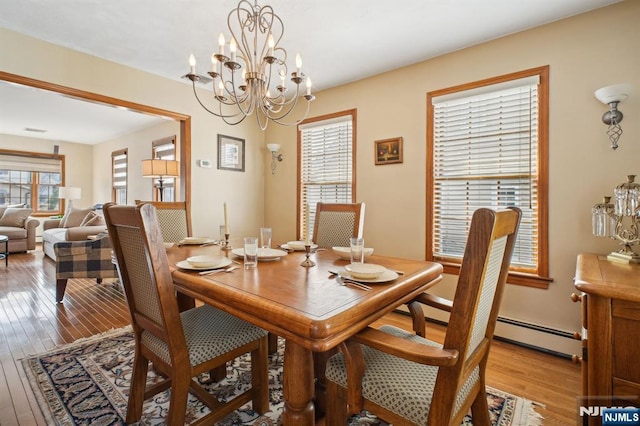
[
  {"x": 326, "y": 165},
  {"x": 120, "y": 170},
  {"x": 34, "y": 163},
  {"x": 485, "y": 155}
]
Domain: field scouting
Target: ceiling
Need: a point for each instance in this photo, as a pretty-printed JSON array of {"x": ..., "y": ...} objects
[{"x": 339, "y": 41}]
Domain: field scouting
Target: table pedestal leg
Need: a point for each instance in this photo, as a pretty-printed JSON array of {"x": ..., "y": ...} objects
[{"x": 298, "y": 386}]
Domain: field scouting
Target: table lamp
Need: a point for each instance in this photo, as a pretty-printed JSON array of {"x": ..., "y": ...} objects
[
  {"x": 156, "y": 168},
  {"x": 70, "y": 193}
]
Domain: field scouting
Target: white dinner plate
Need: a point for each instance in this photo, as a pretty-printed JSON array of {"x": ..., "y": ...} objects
[
  {"x": 297, "y": 246},
  {"x": 386, "y": 276},
  {"x": 195, "y": 241},
  {"x": 264, "y": 254},
  {"x": 223, "y": 261}
]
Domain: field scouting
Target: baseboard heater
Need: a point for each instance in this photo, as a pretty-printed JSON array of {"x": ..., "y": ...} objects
[{"x": 521, "y": 324}]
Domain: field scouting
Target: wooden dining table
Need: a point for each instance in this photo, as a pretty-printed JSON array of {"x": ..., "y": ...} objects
[{"x": 304, "y": 305}]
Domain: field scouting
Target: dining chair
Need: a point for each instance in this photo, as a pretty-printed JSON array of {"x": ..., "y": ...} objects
[
  {"x": 174, "y": 218},
  {"x": 181, "y": 345},
  {"x": 336, "y": 223},
  {"x": 406, "y": 379}
]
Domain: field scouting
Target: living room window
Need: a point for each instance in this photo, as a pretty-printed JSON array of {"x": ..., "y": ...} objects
[
  {"x": 31, "y": 179},
  {"x": 326, "y": 169},
  {"x": 119, "y": 170},
  {"x": 165, "y": 149},
  {"x": 488, "y": 147}
]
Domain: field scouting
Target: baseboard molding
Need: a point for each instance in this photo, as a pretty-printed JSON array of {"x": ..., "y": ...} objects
[{"x": 532, "y": 336}]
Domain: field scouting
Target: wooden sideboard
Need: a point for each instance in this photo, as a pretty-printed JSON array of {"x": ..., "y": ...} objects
[{"x": 610, "y": 294}]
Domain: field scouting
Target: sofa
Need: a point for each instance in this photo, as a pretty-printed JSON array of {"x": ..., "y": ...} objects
[
  {"x": 75, "y": 225},
  {"x": 17, "y": 224}
]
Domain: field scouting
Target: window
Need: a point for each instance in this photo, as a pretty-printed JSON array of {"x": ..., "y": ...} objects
[
  {"x": 119, "y": 169},
  {"x": 165, "y": 149},
  {"x": 487, "y": 147},
  {"x": 31, "y": 179},
  {"x": 326, "y": 169}
]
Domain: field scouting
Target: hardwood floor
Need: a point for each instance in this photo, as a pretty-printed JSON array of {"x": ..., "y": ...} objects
[{"x": 31, "y": 322}]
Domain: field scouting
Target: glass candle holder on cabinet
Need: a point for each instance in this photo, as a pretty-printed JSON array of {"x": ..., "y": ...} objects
[{"x": 620, "y": 220}]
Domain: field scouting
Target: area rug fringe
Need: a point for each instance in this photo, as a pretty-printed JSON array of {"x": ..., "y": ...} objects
[{"x": 97, "y": 363}]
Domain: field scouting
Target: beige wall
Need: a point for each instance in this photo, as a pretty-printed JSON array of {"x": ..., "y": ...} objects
[
  {"x": 584, "y": 53},
  {"x": 33, "y": 58},
  {"x": 139, "y": 145}
]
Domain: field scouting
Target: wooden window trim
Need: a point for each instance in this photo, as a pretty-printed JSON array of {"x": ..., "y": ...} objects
[
  {"x": 541, "y": 279},
  {"x": 354, "y": 139}
]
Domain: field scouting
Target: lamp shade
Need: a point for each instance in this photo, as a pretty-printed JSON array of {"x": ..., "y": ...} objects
[
  {"x": 70, "y": 192},
  {"x": 273, "y": 147},
  {"x": 614, "y": 93},
  {"x": 160, "y": 168}
]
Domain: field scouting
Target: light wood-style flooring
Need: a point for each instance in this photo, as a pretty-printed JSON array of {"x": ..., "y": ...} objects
[{"x": 31, "y": 322}]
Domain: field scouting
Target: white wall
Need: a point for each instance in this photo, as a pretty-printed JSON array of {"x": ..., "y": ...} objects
[{"x": 584, "y": 53}]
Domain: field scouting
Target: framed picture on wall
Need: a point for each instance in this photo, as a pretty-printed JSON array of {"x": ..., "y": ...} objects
[
  {"x": 388, "y": 151},
  {"x": 230, "y": 153}
]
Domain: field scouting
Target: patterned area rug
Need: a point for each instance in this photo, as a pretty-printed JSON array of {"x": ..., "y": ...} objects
[{"x": 87, "y": 383}]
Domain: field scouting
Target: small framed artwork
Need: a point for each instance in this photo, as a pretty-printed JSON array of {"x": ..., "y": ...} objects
[
  {"x": 230, "y": 153},
  {"x": 388, "y": 151}
]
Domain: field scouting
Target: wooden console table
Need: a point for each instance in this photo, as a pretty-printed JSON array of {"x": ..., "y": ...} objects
[{"x": 610, "y": 293}]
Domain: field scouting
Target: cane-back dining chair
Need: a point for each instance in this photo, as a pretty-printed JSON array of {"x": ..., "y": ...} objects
[
  {"x": 174, "y": 218},
  {"x": 336, "y": 223},
  {"x": 406, "y": 379},
  {"x": 181, "y": 345}
]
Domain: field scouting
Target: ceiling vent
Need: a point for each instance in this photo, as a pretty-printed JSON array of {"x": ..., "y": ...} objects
[{"x": 31, "y": 129}]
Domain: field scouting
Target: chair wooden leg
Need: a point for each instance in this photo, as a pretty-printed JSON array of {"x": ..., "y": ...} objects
[
  {"x": 137, "y": 388},
  {"x": 480, "y": 409},
  {"x": 99, "y": 280},
  {"x": 179, "y": 394},
  {"x": 319, "y": 366},
  {"x": 260, "y": 377},
  {"x": 336, "y": 413},
  {"x": 217, "y": 374},
  {"x": 61, "y": 287}
]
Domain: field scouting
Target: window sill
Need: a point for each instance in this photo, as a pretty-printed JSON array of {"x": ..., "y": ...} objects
[{"x": 515, "y": 278}]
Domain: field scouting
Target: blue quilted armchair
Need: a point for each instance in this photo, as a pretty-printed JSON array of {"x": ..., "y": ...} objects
[{"x": 83, "y": 259}]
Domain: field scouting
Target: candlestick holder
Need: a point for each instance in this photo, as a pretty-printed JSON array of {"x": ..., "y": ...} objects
[
  {"x": 226, "y": 246},
  {"x": 307, "y": 262}
]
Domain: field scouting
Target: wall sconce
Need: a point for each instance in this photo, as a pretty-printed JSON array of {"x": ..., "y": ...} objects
[
  {"x": 159, "y": 169},
  {"x": 274, "y": 147},
  {"x": 612, "y": 96}
]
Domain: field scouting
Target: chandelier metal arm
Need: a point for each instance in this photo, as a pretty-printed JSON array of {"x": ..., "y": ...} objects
[
  {"x": 254, "y": 48},
  {"x": 221, "y": 115}
]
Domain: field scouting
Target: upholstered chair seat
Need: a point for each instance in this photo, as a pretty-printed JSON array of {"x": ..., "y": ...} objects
[{"x": 415, "y": 381}]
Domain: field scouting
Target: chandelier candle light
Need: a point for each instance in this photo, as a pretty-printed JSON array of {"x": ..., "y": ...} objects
[
  {"x": 252, "y": 78},
  {"x": 620, "y": 220}
]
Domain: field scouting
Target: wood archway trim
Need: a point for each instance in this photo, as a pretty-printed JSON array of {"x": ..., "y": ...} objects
[{"x": 184, "y": 120}]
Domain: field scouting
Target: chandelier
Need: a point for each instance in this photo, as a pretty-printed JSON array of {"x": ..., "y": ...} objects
[{"x": 252, "y": 78}]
